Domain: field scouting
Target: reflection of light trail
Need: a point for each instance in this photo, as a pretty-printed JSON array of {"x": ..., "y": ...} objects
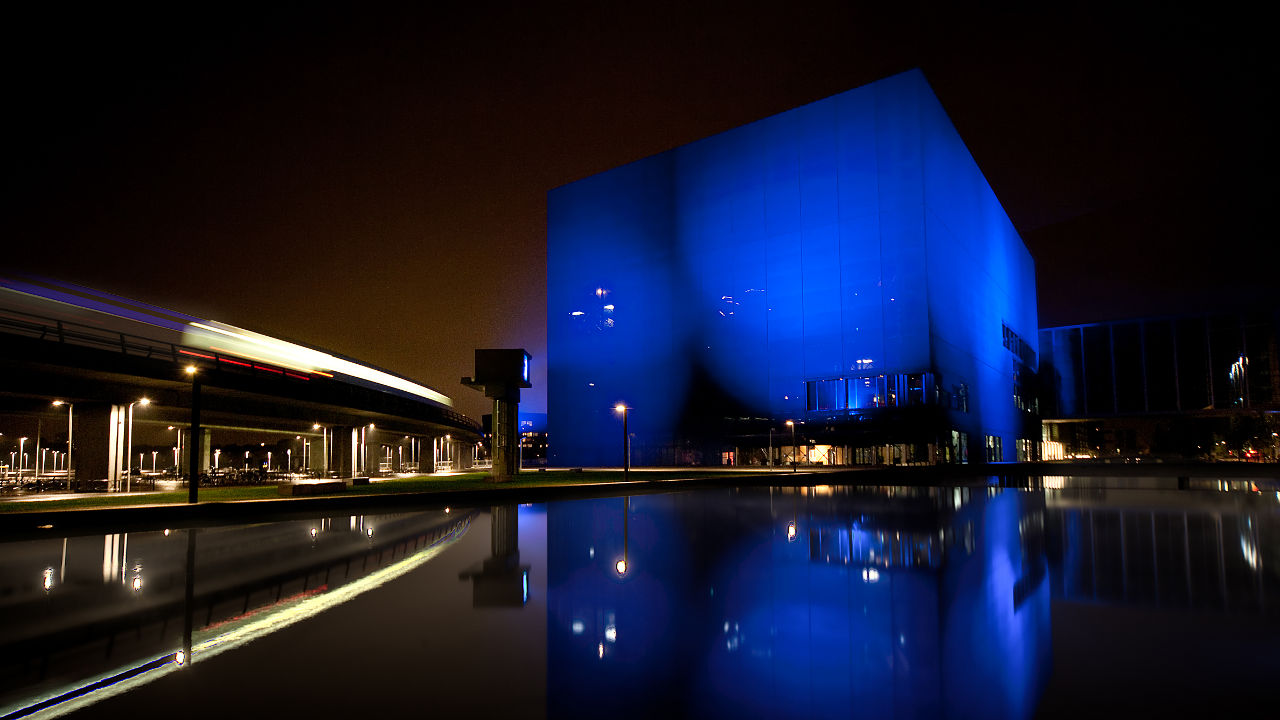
[
  {"x": 97, "y": 688},
  {"x": 206, "y": 644},
  {"x": 306, "y": 607}
]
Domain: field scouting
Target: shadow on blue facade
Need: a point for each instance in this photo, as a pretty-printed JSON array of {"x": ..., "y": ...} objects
[{"x": 843, "y": 265}]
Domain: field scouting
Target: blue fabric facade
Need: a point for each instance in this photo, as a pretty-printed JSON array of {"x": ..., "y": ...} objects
[{"x": 844, "y": 264}]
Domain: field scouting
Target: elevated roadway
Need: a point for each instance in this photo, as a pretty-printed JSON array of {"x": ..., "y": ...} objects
[{"x": 100, "y": 353}]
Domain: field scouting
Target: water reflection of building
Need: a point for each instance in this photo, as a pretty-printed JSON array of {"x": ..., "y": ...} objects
[
  {"x": 90, "y": 616},
  {"x": 1192, "y": 550},
  {"x": 500, "y": 580},
  {"x": 843, "y": 265},
  {"x": 1204, "y": 386},
  {"x": 894, "y": 601}
]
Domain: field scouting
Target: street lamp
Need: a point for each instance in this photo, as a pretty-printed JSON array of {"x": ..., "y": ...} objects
[
  {"x": 22, "y": 457},
  {"x": 626, "y": 439},
  {"x": 177, "y": 451},
  {"x": 791, "y": 424},
  {"x": 324, "y": 448},
  {"x": 71, "y": 408},
  {"x": 193, "y": 438},
  {"x": 128, "y": 451}
]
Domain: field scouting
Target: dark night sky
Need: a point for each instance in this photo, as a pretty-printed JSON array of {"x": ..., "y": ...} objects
[{"x": 374, "y": 181}]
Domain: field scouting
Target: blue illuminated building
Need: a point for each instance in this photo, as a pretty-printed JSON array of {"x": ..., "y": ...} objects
[{"x": 843, "y": 265}]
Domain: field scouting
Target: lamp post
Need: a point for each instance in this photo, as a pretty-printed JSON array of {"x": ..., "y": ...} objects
[
  {"x": 193, "y": 438},
  {"x": 791, "y": 424},
  {"x": 626, "y": 440},
  {"x": 177, "y": 451},
  {"x": 128, "y": 451},
  {"x": 22, "y": 457},
  {"x": 324, "y": 448},
  {"x": 71, "y": 409}
]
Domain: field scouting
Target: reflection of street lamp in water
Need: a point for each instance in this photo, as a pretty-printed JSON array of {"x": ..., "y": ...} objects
[{"x": 621, "y": 565}]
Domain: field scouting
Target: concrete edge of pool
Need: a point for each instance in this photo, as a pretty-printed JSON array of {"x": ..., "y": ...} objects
[{"x": 17, "y": 524}]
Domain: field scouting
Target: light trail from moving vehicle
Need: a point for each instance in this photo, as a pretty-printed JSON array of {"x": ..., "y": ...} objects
[{"x": 65, "y": 302}]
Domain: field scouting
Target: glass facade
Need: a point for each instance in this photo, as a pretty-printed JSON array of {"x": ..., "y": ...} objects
[
  {"x": 1204, "y": 387},
  {"x": 843, "y": 265},
  {"x": 1187, "y": 364}
]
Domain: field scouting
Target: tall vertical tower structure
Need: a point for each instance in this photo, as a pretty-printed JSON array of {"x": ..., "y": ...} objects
[{"x": 843, "y": 265}]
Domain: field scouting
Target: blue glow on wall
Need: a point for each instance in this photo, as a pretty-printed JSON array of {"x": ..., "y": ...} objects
[{"x": 809, "y": 255}]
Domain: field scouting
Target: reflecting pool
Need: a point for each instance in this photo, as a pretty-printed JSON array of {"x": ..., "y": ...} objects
[{"x": 1066, "y": 597}]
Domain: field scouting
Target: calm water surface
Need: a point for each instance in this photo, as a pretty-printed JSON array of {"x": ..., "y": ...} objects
[{"x": 1076, "y": 597}]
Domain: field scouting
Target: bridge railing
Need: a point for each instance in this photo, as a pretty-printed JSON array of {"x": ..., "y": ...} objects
[{"x": 18, "y": 322}]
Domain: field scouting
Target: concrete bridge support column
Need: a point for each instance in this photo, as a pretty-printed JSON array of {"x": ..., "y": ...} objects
[
  {"x": 98, "y": 443},
  {"x": 342, "y": 458},
  {"x": 465, "y": 452},
  {"x": 206, "y": 450},
  {"x": 184, "y": 451},
  {"x": 316, "y": 448}
]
